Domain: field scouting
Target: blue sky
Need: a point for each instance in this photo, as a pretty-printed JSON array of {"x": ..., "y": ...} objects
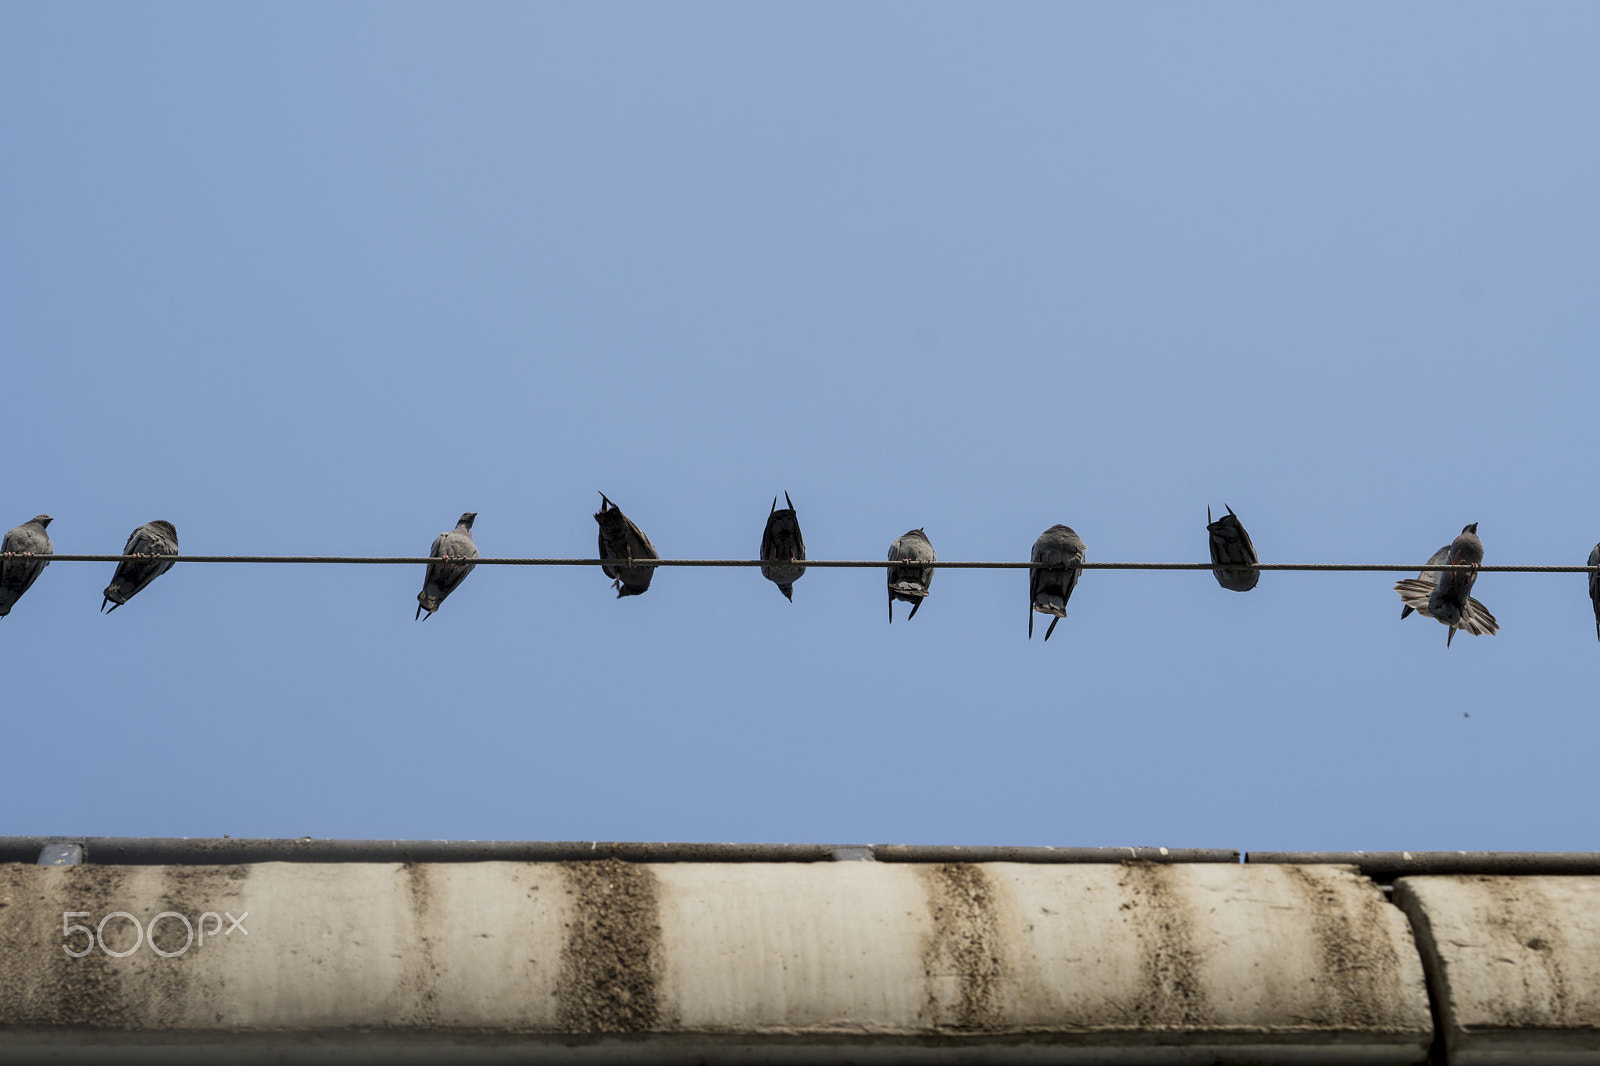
[{"x": 316, "y": 279}]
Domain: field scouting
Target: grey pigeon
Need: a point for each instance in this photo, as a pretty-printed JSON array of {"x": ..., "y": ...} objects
[
  {"x": 1448, "y": 600},
  {"x": 1231, "y": 544},
  {"x": 159, "y": 541},
  {"x": 451, "y": 548},
  {"x": 621, "y": 539},
  {"x": 909, "y": 584},
  {"x": 1594, "y": 587},
  {"x": 781, "y": 542},
  {"x": 1430, "y": 576},
  {"x": 1049, "y": 590},
  {"x": 21, "y": 562}
]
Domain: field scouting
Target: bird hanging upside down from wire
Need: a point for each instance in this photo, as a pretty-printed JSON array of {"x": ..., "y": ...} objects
[{"x": 1448, "y": 599}]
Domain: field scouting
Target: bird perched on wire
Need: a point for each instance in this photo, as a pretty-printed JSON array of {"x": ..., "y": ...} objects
[
  {"x": 1231, "y": 544},
  {"x": 781, "y": 542},
  {"x": 1429, "y": 576},
  {"x": 22, "y": 560},
  {"x": 158, "y": 542},
  {"x": 1448, "y": 599},
  {"x": 453, "y": 552},
  {"x": 1049, "y": 590},
  {"x": 1594, "y": 587},
  {"x": 909, "y": 583},
  {"x": 621, "y": 539}
]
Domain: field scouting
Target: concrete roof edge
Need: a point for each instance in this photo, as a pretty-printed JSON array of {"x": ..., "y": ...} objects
[
  {"x": 1390, "y": 865},
  {"x": 179, "y": 851}
]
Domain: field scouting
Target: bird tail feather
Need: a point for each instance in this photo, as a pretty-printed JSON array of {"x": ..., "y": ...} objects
[
  {"x": 1477, "y": 620},
  {"x": 1415, "y": 594},
  {"x": 1047, "y": 604}
]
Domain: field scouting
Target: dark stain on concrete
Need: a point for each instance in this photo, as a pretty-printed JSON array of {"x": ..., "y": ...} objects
[
  {"x": 1359, "y": 980},
  {"x": 43, "y": 985},
  {"x": 190, "y": 891},
  {"x": 965, "y": 942},
  {"x": 1171, "y": 989},
  {"x": 611, "y": 957},
  {"x": 416, "y": 996}
]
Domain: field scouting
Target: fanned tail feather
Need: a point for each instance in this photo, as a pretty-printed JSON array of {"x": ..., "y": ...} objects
[
  {"x": 1477, "y": 620},
  {"x": 1414, "y": 594}
]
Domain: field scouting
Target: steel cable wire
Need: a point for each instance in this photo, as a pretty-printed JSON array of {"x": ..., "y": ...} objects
[{"x": 408, "y": 560}]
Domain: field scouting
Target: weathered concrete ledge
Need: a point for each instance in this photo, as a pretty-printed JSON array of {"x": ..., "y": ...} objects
[
  {"x": 1514, "y": 963},
  {"x": 212, "y": 851},
  {"x": 1389, "y": 865},
  {"x": 779, "y": 962}
]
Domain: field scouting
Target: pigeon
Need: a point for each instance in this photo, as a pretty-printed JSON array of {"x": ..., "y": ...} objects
[
  {"x": 20, "y": 562},
  {"x": 1231, "y": 544},
  {"x": 1430, "y": 576},
  {"x": 909, "y": 584},
  {"x": 446, "y": 575},
  {"x": 1594, "y": 587},
  {"x": 621, "y": 539},
  {"x": 782, "y": 542},
  {"x": 159, "y": 541},
  {"x": 1447, "y": 599},
  {"x": 1049, "y": 590}
]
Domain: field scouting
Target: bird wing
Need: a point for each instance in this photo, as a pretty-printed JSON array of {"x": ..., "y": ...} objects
[
  {"x": 446, "y": 575},
  {"x": 1594, "y": 586},
  {"x": 621, "y": 539},
  {"x": 609, "y": 571},
  {"x": 641, "y": 541},
  {"x": 1249, "y": 548},
  {"x": 1440, "y": 556},
  {"x": 133, "y": 576},
  {"x": 778, "y": 525},
  {"x": 10, "y": 569},
  {"x": 769, "y": 540},
  {"x": 1232, "y": 549},
  {"x": 1051, "y": 589},
  {"x": 1071, "y": 583},
  {"x": 913, "y": 577},
  {"x": 18, "y": 575}
]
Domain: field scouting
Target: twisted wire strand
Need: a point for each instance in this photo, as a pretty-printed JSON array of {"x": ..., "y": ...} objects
[{"x": 407, "y": 560}]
